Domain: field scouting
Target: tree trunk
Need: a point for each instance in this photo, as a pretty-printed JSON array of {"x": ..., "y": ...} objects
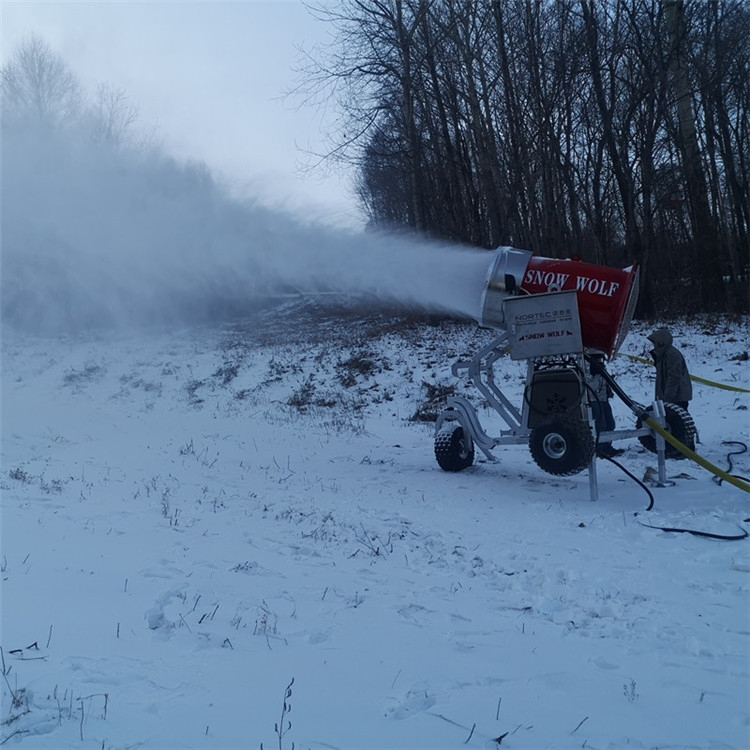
[{"x": 704, "y": 231}]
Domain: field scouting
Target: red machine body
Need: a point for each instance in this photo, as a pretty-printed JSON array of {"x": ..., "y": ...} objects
[{"x": 606, "y": 296}]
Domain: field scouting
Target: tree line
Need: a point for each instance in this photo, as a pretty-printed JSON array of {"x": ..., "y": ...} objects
[
  {"x": 612, "y": 130},
  {"x": 40, "y": 91}
]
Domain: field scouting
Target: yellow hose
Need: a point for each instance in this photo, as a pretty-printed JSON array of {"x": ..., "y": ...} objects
[
  {"x": 692, "y": 455},
  {"x": 694, "y": 377}
]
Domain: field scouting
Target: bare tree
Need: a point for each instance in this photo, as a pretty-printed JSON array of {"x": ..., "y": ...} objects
[
  {"x": 39, "y": 87},
  {"x": 114, "y": 114},
  {"x": 615, "y": 129},
  {"x": 704, "y": 230},
  {"x": 722, "y": 71}
]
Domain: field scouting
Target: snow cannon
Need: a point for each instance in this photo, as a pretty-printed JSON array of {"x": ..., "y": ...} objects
[
  {"x": 606, "y": 296},
  {"x": 564, "y": 317}
]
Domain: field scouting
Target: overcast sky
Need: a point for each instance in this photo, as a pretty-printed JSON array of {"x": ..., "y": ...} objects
[{"x": 210, "y": 76}]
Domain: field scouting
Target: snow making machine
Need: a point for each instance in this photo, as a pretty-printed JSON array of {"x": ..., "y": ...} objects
[{"x": 565, "y": 317}]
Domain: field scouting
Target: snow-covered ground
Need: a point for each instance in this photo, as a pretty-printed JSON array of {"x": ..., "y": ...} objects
[{"x": 235, "y": 536}]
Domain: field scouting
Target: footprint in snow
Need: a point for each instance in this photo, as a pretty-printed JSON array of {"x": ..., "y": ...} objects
[
  {"x": 414, "y": 701},
  {"x": 415, "y": 613}
]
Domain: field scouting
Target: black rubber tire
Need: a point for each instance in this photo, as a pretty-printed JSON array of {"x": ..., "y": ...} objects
[
  {"x": 562, "y": 446},
  {"x": 453, "y": 451},
  {"x": 680, "y": 424}
]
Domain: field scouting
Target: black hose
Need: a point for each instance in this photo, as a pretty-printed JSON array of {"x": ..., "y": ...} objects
[
  {"x": 719, "y": 480},
  {"x": 635, "y": 479},
  {"x": 597, "y": 368},
  {"x": 696, "y": 532}
]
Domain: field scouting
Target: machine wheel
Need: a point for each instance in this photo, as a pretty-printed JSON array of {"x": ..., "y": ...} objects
[
  {"x": 680, "y": 424},
  {"x": 562, "y": 446},
  {"x": 453, "y": 450}
]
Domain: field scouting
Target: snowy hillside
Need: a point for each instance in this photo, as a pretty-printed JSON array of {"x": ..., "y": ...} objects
[{"x": 228, "y": 537}]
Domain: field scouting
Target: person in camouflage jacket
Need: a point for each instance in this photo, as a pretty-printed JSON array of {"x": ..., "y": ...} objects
[{"x": 672, "y": 377}]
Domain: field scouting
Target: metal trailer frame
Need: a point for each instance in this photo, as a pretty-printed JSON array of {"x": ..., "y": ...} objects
[{"x": 479, "y": 370}]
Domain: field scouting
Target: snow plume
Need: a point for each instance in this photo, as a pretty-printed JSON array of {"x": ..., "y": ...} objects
[{"x": 97, "y": 235}]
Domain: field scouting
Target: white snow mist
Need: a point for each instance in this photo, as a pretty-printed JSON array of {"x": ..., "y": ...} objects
[{"x": 98, "y": 236}]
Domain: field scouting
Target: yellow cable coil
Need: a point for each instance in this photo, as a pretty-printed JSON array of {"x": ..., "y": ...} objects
[{"x": 693, "y": 377}]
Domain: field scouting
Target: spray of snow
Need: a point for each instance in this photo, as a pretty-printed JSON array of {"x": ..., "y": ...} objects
[{"x": 103, "y": 236}]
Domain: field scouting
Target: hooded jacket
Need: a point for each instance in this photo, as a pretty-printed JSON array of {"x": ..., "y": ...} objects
[{"x": 672, "y": 376}]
